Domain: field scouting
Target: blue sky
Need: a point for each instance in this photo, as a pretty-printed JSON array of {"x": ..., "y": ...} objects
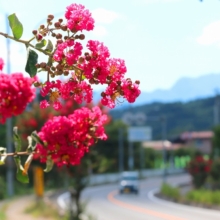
[{"x": 160, "y": 40}]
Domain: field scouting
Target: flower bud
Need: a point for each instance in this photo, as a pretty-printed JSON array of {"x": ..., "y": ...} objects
[
  {"x": 81, "y": 60},
  {"x": 47, "y": 68},
  {"x": 43, "y": 65},
  {"x": 103, "y": 94},
  {"x": 57, "y": 24},
  {"x": 137, "y": 82},
  {"x": 81, "y": 36},
  {"x": 36, "y": 84},
  {"x": 64, "y": 27},
  {"x": 91, "y": 81},
  {"x": 60, "y": 20},
  {"x": 34, "y": 32},
  {"x": 88, "y": 58},
  {"x": 37, "y": 65},
  {"x": 51, "y": 17},
  {"x": 66, "y": 73},
  {"x": 39, "y": 37},
  {"x": 53, "y": 68},
  {"x": 42, "y": 26},
  {"x": 58, "y": 36}
]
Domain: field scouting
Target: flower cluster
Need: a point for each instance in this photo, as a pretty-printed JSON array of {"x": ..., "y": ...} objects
[
  {"x": 67, "y": 138},
  {"x": 33, "y": 120},
  {"x": 16, "y": 93},
  {"x": 199, "y": 164},
  {"x": 85, "y": 67},
  {"x": 79, "y": 18},
  {"x": 199, "y": 168}
]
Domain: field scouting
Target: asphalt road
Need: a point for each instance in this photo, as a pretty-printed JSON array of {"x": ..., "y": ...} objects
[{"x": 105, "y": 203}]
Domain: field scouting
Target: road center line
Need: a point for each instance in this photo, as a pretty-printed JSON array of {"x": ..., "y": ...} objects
[{"x": 161, "y": 215}]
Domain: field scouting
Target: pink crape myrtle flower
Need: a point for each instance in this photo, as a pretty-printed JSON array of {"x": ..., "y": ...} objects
[
  {"x": 59, "y": 91},
  {"x": 68, "y": 51},
  {"x": 15, "y": 93},
  {"x": 78, "y": 91},
  {"x": 130, "y": 90},
  {"x": 1, "y": 64},
  {"x": 67, "y": 139},
  {"x": 79, "y": 18},
  {"x": 96, "y": 62}
]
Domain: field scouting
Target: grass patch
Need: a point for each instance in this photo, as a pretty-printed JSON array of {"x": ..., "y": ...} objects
[
  {"x": 170, "y": 192},
  {"x": 203, "y": 197},
  {"x": 2, "y": 212},
  {"x": 41, "y": 209}
]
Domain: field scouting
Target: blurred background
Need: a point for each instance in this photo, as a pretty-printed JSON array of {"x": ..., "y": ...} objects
[{"x": 172, "y": 47}]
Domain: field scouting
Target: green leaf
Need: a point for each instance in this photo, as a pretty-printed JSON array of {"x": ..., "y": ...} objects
[
  {"x": 3, "y": 158},
  {"x": 31, "y": 144},
  {"x": 31, "y": 62},
  {"x": 27, "y": 164},
  {"x": 35, "y": 136},
  {"x": 17, "y": 140},
  {"x": 49, "y": 164},
  {"x": 16, "y": 26},
  {"x": 41, "y": 44},
  {"x": 49, "y": 47},
  {"x": 20, "y": 175}
]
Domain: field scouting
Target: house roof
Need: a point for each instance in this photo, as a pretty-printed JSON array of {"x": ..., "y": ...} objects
[
  {"x": 197, "y": 135},
  {"x": 158, "y": 145}
]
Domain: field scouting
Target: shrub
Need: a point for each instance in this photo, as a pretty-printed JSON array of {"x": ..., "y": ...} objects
[
  {"x": 199, "y": 168},
  {"x": 204, "y": 197},
  {"x": 215, "y": 174},
  {"x": 170, "y": 192}
]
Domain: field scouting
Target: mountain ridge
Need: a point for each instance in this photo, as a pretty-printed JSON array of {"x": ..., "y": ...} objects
[{"x": 185, "y": 89}]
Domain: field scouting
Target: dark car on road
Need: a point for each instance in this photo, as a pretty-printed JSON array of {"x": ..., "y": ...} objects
[{"x": 129, "y": 182}]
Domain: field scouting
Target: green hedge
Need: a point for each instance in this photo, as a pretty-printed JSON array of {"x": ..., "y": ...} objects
[
  {"x": 170, "y": 192},
  {"x": 204, "y": 197}
]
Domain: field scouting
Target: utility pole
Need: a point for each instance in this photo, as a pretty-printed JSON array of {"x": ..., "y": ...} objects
[
  {"x": 216, "y": 108},
  {"x": 131, "y": 155},
  {"x": 121, "y": 150},
  {"x": 9, "y": 175},
  {"x": 164, "y": 136}
]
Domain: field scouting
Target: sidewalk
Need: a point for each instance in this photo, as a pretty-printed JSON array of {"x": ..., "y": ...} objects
[{"x": 15, "y": 209}]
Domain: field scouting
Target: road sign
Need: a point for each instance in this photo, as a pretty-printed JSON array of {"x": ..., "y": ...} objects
[{"x": 143, "y": 133}]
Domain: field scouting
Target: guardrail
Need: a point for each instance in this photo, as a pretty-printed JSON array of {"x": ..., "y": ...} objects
[{"x": 96, "y": 179}]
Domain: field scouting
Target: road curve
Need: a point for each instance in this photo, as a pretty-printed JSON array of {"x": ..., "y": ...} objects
[{"x": 105, "y": 203}]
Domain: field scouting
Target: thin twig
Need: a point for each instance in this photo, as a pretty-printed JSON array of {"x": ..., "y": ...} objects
[
  {"x": 27, "y": 43},
  {"x": 16, "y": 153}
]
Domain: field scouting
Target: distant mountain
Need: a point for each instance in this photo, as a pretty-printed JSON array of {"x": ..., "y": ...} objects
[{"x": 185, "y": 89}]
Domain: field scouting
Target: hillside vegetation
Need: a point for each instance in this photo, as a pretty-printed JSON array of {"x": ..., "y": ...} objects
[{"x": 197, "y": 115}]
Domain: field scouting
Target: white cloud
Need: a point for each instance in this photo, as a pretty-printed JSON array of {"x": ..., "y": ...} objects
[
  {"x": 158, "y": 1},
  {"x": 210, "y": 34},
  {"x": 99, "y": 31},
  {"x": 104, "y": 16}
]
